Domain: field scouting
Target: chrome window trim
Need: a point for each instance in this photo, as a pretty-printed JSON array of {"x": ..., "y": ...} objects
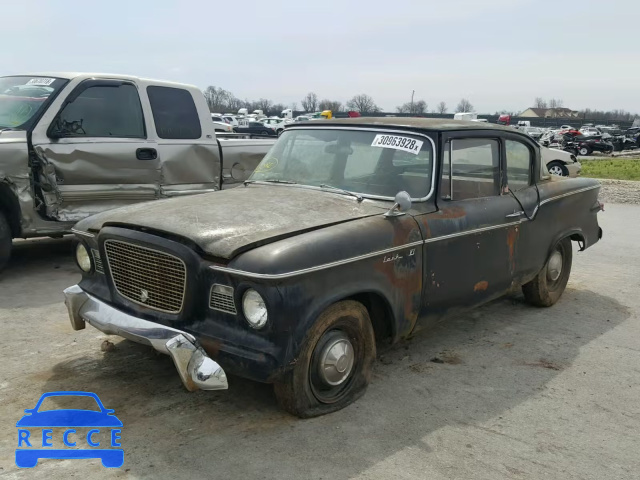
[
  {"x": 184, "y": 285},
  {"x": 269, "y": 276},
  {"x": 84, "y": 234},
  {"x": 434, "y": 156}
]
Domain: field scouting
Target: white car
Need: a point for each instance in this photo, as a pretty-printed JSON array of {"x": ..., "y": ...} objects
[
  {"x": 220, "y": 125},
  {"x": 590, "y": 131},
  {"x": 231, "y": 120},
  {"x": 276, "y": 123},
  {"x": 559, "y": 162}
]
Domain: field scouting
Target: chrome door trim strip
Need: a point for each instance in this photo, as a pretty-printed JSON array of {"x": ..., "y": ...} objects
[
  {"x": 471, "y": 232},
  {"x": 312, "y": 269},
  {"x": 270, "y": 276}
]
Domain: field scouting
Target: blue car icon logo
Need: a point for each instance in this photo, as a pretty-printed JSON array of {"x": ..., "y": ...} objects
[{"x": 36, "y": 433}]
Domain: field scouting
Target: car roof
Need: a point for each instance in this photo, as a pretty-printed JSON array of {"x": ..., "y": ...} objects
[
  {"x": 87, "y": 75},
  {"x": 416, "y": 122}
]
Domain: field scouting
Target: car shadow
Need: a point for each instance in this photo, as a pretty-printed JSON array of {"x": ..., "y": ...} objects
[
  {"x": 45, "y": 264},
  {"x": 468, "y": 370}
]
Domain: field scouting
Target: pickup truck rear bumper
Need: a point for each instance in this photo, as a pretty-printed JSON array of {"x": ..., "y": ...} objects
[{"x": 197, "y": 370}]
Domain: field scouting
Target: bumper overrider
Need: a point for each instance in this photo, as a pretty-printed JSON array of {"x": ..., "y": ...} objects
[{"x": 197, "y": 370}]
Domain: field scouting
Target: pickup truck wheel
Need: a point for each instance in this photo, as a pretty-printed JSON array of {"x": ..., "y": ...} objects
[
  {"x": 334, "y": 366},
  {"x": 5, "y": 241},
  {"x": 546, "y": 289},
  {"x": 557, "y": 168}
]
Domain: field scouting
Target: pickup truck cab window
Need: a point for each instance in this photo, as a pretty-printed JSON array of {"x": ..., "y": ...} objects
[
  {"x": 473, "y": 171},
  {"x": 518, "y": 165},
  {"x": 103, "y": 111},
  {"x": 367, "y": 162},
  {"x": 174, "y": 113}
]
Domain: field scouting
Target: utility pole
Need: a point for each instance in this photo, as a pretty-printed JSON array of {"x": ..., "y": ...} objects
[{"x": 412, "y": 93}]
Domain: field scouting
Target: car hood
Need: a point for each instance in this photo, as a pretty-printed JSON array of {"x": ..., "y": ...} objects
[
  {"x": 69, "y": 418},
  {"x": 226, "y": 223}
]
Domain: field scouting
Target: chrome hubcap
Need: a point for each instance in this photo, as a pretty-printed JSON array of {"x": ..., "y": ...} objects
[
  {"x": 336, "y": 361},
  {"x": 554, "y": 269},
  {"x": 555, "y": 170}
]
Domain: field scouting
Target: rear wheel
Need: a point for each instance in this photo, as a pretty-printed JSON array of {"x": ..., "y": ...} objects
[
  {"x": 557, "y": 168},
  {"x": 264, "y": 132},
  {"x": 546, "y": 289},
  {"x": 5, "y": 241},
  {"x": 334, "y": 366}
]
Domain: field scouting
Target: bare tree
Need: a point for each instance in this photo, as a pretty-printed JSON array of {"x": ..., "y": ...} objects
[
  {"x": 441, "y": 108},
  {"x": 555, "y": 103},
  {"x": 539, "y": 103},
  {"x": 277, "y": 108},
  {"x": 263, "y": 104},
  {"x": 310, "y": 102},
  {"x": 363, "y": 104},
  {"x": 217, "y": 98},
  {"x": 415, "y": 108},
  {"x": 464, "y": 106},
  {"x": 332, "y": 105},
  {"x": 293, "y": 106}
]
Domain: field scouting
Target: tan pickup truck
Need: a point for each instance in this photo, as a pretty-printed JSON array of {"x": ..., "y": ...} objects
[{"x": 75, "y": 144}]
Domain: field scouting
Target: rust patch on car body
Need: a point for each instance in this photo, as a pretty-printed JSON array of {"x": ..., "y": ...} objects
[{"x": 481, "y": 286}]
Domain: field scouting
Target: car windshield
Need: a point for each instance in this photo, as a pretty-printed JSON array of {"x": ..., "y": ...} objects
[
  {"x": 73, "y": 402},
  {"x": 371, "y": 163},
  {"x": 21, "y": 98}
]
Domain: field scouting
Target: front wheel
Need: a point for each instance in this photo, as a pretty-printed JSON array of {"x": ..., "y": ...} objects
[
  {"x": 5, "y": 241},
  {"x": 547, "y": 287},
  {"x": 558, "y": 168},
  {"x": 584, "y": 151},
  {"x": 333, "y": 368}
]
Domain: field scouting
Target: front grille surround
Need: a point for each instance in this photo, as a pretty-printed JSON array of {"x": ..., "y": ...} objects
[{"x": 147, "y": 276}]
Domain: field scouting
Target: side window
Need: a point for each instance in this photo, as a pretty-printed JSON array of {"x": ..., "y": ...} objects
[
  {"x": 103, "y": 111},
  {"x": 518, "y": 165},
  {"x": 475, "y": 169},
  {"x": 174, "y": 113}
]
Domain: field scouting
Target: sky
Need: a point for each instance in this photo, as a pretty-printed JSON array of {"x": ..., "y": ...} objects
[{"x": 500, "y": 54}]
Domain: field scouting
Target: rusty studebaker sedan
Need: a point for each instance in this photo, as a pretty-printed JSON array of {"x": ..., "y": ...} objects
[{"x": 349, "y": 232}]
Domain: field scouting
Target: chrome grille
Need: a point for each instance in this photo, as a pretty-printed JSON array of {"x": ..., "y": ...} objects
[
  {"x": 97, "y": 260},
  {"x": 222, "y": 299},
  {"x": 147, "y": 277}
]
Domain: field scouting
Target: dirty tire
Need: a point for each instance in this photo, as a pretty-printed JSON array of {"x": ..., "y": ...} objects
[
  {"x": 558, "y": 168},
  {"x": 298, "y": 393},
  {"x": 544, "y": 291},
  {"x": 5, "y": 241}
]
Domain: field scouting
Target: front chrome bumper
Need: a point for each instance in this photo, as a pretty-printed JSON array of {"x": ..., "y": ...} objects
[{"x": 197, "y": 370}]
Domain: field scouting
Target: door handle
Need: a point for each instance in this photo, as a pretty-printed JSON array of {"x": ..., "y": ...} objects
[
  {"x": 146, "y": 154},
  {"x": 515, "y": 214}
]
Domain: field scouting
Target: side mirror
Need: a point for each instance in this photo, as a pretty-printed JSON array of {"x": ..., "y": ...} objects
[{"x": 401, "y": 205}]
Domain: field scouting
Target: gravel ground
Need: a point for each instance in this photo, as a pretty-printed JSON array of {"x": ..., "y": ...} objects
[
  {"x": 507, "y": 391},
  {"x": 619, "y": 191}
]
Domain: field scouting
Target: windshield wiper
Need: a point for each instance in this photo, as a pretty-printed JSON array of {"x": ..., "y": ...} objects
[
  {"x": 272, "y": 180},
  {"x": 342, "y": 190}
]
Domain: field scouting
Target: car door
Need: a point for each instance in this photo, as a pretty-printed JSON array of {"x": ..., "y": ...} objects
[
  {"x": 521, "y": 181},
  {"x": 470, "y": 241},
  {"x": 93, "y": 150},
  {"x": 187, "y": 148}
]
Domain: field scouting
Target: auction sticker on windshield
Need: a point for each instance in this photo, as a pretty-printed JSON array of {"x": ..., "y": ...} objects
[
  {"x": 43, "y": 82},
  {"x": 406, "y": 144}
]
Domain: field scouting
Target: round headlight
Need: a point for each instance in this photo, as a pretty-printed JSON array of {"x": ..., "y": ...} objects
[
  {"x": 83, "y": 258},
  {"x": 255, "y": 311}
]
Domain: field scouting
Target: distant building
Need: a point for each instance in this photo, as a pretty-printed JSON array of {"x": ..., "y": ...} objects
[{"x": 550, "y": 113}]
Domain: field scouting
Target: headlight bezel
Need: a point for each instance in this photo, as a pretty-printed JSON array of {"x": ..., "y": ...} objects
[
  {"x": 261, "y": 323},
  {"x": 87, "y": 251}
]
